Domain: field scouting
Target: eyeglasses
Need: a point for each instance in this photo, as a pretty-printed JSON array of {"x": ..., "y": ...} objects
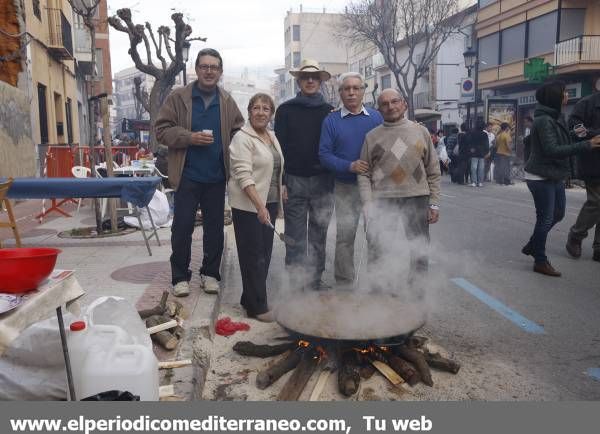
[
  {"x": 391, "y": 102},
  {"x": 258, "y": 109},
  {"x": 211, "y": 68},
  {"x": 307, "y": 77},
  {"x": 354, "y": 88}
]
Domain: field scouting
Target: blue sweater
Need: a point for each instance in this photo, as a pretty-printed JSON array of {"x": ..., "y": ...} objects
[
  {"x": 205, "y": 163},
  {"x": 342, "y": 140}
]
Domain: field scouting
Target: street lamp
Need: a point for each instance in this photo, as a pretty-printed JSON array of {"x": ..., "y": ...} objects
[
  {"x": 471, "y": 62},
  {"x": 185, "y": 53}
]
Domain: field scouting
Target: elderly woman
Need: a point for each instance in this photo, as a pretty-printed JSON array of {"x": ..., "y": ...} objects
[
  {"x": 255, "y": 198},
  {"x": 547, "y": 169}
]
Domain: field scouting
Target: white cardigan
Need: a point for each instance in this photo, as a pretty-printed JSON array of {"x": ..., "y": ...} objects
[{"x": 251, "y": 163}]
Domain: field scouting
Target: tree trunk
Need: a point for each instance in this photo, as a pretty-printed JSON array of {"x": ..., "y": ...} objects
[
  {"x": 160, "y": 90},
  {"x": 410, "y": 100},
  {"x": 92, "y": 121}
]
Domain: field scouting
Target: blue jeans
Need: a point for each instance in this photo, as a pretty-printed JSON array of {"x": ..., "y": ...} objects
[
  {"x": 477, "y": 170},
  {"x": 550, "y": 202}
]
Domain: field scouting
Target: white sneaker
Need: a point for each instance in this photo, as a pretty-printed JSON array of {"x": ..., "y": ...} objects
[
  {"x": 181, "y": 289},
  {"x": 480, "y": 185},
  {"x": 209, "y": 284},
  {"x": 473, "y": 184}
]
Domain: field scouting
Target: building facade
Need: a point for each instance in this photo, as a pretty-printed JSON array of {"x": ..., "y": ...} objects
[
  {"x": 523, "y": 42},
  {"x": 311, "y": 35}
]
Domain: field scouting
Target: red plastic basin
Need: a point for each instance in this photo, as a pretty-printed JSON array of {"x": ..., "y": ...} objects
[{"x": 23, "y": 270}]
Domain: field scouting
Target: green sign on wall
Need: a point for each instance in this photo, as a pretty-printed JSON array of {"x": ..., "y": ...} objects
[{"x": 537, "y": 70}]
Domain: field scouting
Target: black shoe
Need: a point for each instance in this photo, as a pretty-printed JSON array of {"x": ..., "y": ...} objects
[
  {"x": 573, "y": 247},
  {"x": 527, "y": 250},
  {"x": 596, "y": 256},
  {"x": 547, "y": 269}
]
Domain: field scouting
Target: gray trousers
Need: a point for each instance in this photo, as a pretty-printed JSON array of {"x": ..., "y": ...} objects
[
  {"x": 347, "y": 212},
  {"x": 589, "y": 216},
  {"x": 386, "y": 247},
  {"x": 307, "y": 215}
]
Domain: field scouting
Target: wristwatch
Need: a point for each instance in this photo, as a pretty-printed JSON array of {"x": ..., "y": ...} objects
[{"x": 435, "y": 207}]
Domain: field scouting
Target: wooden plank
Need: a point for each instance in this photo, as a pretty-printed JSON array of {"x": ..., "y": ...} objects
[
  {"x": 174, "y": 364},
  {"x": 321, "y": 382},
  {"x": 162, "y": 327},
  {"x": 388, "y": 372}
]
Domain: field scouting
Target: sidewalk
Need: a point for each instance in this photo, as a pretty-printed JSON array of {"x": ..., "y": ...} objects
[{"x": 120, "y": 266}]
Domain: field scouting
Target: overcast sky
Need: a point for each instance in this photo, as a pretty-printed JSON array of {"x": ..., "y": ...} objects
[{"x": 247, "y": 33}]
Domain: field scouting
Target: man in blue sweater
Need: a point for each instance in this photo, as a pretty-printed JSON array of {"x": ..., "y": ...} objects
[{"x": 342, "y": 137}]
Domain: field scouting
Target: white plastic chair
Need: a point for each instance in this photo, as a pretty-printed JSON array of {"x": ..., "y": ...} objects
[
  {"x": 169, "y": 192},
  {"x": 80, "y": 172}
]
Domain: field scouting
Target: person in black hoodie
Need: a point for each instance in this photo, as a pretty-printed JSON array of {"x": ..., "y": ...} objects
[
  {"x": 587, "y": 114},
  {"x": 479, "y": 143},
  {"x": 547, "y": 169},
  {"x": 308, "y": 186},
  {"x": 464, "y": 154}
]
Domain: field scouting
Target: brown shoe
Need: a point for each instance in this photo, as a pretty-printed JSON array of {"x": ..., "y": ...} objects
[
  {"x": 573, "y": 247},
  {"x": 547, "y": 269}
]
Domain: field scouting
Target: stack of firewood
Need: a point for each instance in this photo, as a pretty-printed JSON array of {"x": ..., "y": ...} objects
[
  {"x": 164, "y": 322},
  {"x": 408, "y": 363}
]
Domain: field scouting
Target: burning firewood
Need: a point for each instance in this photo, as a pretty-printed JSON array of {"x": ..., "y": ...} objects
[
  {"x": 436, "y": 361},
  {"x": 275, "y": 371},
  {"x": 404, "y": 369},
  {"x": 348, "y": 373},
  {"x": 418, "y": 359},
  {"x": 293, "y": 388},
  {"x": 250, "y": 349}
]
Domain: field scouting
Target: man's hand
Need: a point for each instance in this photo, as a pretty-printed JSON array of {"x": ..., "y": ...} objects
[
  {"x": 284, "y": 193},
  {"x": 359, "y": 167},
  {"x": 263, "y": 215},
  {"x": 433, "y": 216},
  {"x": 202, "y": 139}
]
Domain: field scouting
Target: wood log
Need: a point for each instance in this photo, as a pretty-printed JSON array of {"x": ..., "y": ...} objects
[
  {"x": 416, "y": 341},
  {"x": 348, "y": 379},
  {"x": 320, "y": 385},
  {"x": 293, "y": 388},
  {"x": 366, "y": 371},
  {"x": 418, "y": 360},
  {"x": 436, "y": 361},
  {"x": 163, "y": 338},
  {"x": 159, "y": 309},
  {"x": 173, "y": 308},
  {"x": 178, "y": 332},
  {"x": 162, "y": 326},
  {"x": 249, "y": 349},
  {"x": 275, "y": 371},
  {"x": 404, "y": 369}
]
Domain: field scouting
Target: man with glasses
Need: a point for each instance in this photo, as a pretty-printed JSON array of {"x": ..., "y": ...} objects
[
  {"x": 196, "y": 123},
  {"x": 342, "y": 137},
  {"x": 400, "y": 187},
  {"x": 308, "y": 186}
]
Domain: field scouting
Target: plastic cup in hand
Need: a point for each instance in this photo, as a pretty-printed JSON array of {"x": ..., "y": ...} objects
[
  {"x": 580, "y": 130},
  {"x": 210, "y": 132}
]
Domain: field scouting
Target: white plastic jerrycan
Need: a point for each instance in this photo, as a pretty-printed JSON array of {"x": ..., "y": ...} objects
[{"x": 131, "y": 368}]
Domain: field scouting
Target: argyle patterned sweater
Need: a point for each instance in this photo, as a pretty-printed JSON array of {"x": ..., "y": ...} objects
[{"x": 402, "y": 161}]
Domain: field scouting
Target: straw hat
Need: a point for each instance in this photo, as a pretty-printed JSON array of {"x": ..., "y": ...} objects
[{"x": 311, "y": 66}]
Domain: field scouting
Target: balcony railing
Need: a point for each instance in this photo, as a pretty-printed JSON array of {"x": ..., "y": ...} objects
[
  {"x": 583, "y": 49},
  {"x": 60, "y": 39}
]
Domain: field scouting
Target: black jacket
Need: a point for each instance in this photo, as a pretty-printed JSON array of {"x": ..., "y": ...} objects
[
  {"x": 551, "y": 146},
  {"x": 479, "y": 143},
  {"x": 587, "y": 112},
  {"x": 298, "y": 130}
]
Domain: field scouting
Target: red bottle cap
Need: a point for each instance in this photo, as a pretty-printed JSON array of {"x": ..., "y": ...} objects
[{"x": 77, "y": 326}]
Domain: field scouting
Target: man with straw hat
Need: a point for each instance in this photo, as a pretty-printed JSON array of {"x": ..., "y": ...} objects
[{"x": 308, "y": 186}]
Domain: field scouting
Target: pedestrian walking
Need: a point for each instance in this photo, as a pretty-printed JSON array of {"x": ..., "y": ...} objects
[
  {"x": 479, "y": 142},
  {"x": 342, "y": 138},
  {"x": 255, "y": 189},
  {"x": 585, "y": 123},
  {"x": 196, "y": 123},
  {"x": 308, "y": 186},
  {"x": 547, "y": 169}
]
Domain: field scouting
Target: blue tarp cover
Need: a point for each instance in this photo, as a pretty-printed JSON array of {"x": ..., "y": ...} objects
[{"x": 138, "y": 191}]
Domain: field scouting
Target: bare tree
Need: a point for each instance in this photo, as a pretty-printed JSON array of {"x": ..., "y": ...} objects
[
  {"x": 140, "y": 98},
  {"x": 168, "y": 52},
  {"x": 408, "y": 33}
]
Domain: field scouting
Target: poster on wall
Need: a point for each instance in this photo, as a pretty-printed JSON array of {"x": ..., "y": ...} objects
[{"x": 501, "y": 110}]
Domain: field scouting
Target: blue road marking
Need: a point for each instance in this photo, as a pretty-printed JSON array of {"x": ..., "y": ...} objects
[
  {"x": 502, "y": 309},
  {"x": 594, "y": 373}
]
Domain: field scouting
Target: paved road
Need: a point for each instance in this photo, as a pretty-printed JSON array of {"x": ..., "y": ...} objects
[{"x": 520, "y": 335}]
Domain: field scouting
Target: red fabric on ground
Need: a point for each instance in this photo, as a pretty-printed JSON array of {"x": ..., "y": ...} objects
[{"x": 226, "y": 327}]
